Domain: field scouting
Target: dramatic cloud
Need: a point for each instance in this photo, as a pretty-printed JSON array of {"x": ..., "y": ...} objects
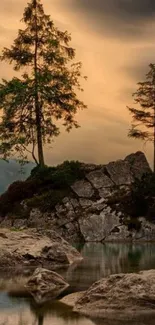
[
  {"x": 119, "y": 18},
  {"x": 120, "y": 9},
  {"x": 115, "y": 40}
]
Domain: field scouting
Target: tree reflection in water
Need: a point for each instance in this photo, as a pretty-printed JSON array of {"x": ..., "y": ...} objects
[
  {"x": 56, "y": 309},
  {"x": 99, "y": 261},
  {"x": 40, "y": 320}
]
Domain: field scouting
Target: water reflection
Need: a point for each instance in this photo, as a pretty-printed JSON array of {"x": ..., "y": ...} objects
[
  {"x": 51, "y": 314},
  {"x": 100, "y": 260}
]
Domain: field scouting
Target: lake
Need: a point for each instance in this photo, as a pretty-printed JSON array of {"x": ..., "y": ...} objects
[{"x": 100, "y": 260}]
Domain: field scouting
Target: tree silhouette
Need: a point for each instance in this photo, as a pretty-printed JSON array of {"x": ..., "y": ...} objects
[
  {"x": 46, "y": 91},
  {"x": 143, "y": 126}
]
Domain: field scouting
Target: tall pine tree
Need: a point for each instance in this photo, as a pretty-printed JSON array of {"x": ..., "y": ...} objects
[
  {"x": 46, "y": 91},
  {"x": 143, "y": 126}
]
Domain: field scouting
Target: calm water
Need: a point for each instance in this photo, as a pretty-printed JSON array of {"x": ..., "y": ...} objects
[{"x": 99, "y": 261}]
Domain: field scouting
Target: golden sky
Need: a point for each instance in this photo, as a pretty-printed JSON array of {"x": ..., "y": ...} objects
[{"x": 115, "y": 40}]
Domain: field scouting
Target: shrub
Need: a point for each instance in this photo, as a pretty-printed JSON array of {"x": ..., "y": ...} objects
[
  {"x": 58, "y": 177},
  {"x": 133, "y": 224},
  {"x": 143, "y": 197},
  {"x": 47, "y": 201},
  {"x": 45, "y": 187},
  {"x": 16, "y": 192},
  {"x": 145, "y": 186}
]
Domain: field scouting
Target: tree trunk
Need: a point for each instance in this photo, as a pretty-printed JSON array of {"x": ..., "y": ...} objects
[
  {"x": 154, "y": 143},
  {"x": 40, "y": 320},
  {"x": 37, "y": 104}
]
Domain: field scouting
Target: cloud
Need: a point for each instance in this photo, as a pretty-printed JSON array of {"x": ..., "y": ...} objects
[
  {"x": 114, "y": 39},
  {"x": 115, "y": 17},
  {"x": 128, "y": 9},
  {"x": 137, "y": 68}
]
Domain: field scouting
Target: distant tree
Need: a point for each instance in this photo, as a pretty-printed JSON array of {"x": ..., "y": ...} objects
[
  {"x": 143, "y": 126},
  {"x": 46, "y": 91}
]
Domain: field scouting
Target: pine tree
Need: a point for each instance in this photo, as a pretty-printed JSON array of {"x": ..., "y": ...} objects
[
  {"x": 46, "y": 91},
  {"x": 143, "y": 126}
]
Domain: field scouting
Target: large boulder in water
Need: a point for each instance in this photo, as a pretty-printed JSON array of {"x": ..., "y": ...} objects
[
  {"x": 120, "y": 296},
  {"x": 29, "y": 248},
  {"x": 45, "y": 285}
]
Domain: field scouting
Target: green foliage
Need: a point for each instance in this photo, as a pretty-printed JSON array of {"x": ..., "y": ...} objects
[
  {"x": 143, "y": 115},
  {"x": 43, "y": 189},
  {"x": 48, "y": 200},
  {"x": 16, "y": 229},
  {"x": 46, "y": 91},
  {"x": 61, "y": 176},
  {"x": 17, "y": 192},
  {"x": 142, "y": 200},
  {"x": 145, "y": 186},
  {"x": 143, "y": 126}
]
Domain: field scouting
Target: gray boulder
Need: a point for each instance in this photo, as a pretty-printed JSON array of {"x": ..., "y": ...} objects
[
  {"x": 97, "y": 227},
  {"x": 99, "y": 179},
  {"x": 138, "y": 164},
  {"x": 19, "y": 249},
  {"x": 83, "y": 189},
  {"x": 45, "y": 285},
  {"x": 120, "y": 297},
  {"x": 119, "y": 172}
]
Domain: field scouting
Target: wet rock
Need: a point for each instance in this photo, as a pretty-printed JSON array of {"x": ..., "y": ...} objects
[
  {"x": 146, "y": 232},
  {"x": 45, "y": 285},
  {"x": 72, "y": 254},
  {"x": 119, "y": 233},
  {"x": 71, "y": 299},
  {"x": 120, "y": 296}
]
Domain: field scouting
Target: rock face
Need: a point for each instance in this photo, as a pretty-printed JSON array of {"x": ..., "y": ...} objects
[
  {"x": 83, "y": 189},
  {"x": 45, "y": 285},
  {"x": 120, "y": 172},
  {"x": 96, "y": 227},
  {"x": 94, "y": 210},
  {"x": 72, "y": 298},
  {"x": 99, "y": 179},
  {"x": 120, "y": 296},
  {"x": 138, "y": 164},
  {"x": 21, "y": 249}
]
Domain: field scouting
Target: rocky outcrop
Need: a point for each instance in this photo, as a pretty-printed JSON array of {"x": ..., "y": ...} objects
[
  {"x": 95, "y": 209},
  {"x": 45, "y": 285},
  {"x": 120, "y": 297},
  {"x": 83, "y": 189},
  {"x": 24, "y": 249},
  {"x": 138, "y": 164},
  {"x": 96, "y": 227}
]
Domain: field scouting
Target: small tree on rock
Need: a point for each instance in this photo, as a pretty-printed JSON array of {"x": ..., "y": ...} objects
[
  {"x": 143, "y": 126},
  {"x": 46, "y": 91}
]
